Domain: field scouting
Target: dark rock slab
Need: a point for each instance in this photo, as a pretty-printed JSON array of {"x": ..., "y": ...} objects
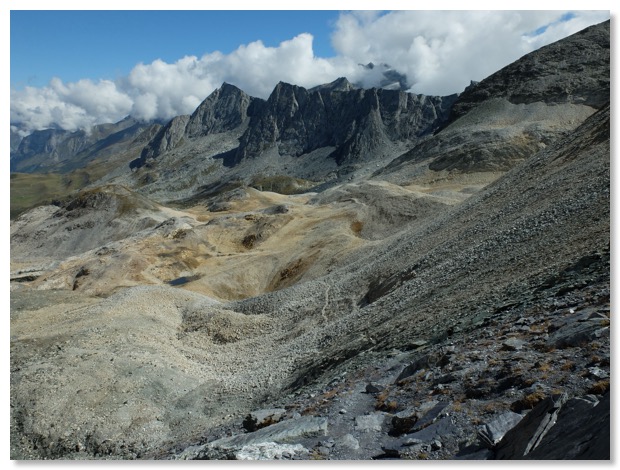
[
  {"x": 403, "y": 421},
  {"x": 438, "y": 430},
  {"x": 523, "y": 438},
  {"x": 430, "y": 416},
  {"x": 576, "y": 331},
  {"x": 582, "y": 432}
]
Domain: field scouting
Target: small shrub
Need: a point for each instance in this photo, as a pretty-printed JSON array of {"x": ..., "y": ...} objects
[
  {"x": 599, "y": 388},
  {"x": 568, "y": 366},
  {"x": 528, "y": 402},
  {"x": 391, "y": 406},
  {"x": 356, "y": 227},
  {"x": 249, "y": 241}
]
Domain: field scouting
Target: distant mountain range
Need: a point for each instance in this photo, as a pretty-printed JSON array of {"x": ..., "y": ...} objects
[{"x": 346, "y": 124}]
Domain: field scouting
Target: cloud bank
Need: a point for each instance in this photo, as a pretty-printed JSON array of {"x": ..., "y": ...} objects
[{"x": 439, "y": 52}]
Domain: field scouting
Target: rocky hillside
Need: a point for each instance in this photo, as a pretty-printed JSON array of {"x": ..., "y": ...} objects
[
  {"x": 443, "y": 292},
  {"x": 516, "y": 111},
  {"x": 553, "y": 75}
]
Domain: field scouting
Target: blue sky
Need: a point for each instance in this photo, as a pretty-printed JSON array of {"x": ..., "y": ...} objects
[
  {"x": 73, "y": 69},
  {"x": 73, "y": 45}
]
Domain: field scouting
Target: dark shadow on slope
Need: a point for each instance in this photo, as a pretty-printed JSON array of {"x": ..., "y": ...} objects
[{"x": 229, "y": 159}]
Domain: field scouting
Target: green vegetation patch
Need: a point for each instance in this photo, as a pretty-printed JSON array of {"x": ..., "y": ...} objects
[
  {"x": 281, "y": 184},
  {"x": 29, "y": 190}
]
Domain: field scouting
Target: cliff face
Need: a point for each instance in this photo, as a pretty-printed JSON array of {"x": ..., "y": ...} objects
[
  {"x": 224, "y": 109},
  {"x": 355, "y": 121},
  {"x": 167, "y": 138}
]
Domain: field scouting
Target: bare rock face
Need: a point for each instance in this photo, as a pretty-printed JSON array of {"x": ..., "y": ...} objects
[
  {"x": 297, "y": 121},
  {"x": 224, "y": 109},
  {"x": 557, "y": 429},
  {"x": 355, "y": 121},
  {"x": 167, "y": 138}
]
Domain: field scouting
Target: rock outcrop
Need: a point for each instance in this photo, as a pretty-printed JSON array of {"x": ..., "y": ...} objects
[
  {"x": 167, "y": 138},
  {"x": 356, "y": 122},
  {"x": 223, "y": 110}
]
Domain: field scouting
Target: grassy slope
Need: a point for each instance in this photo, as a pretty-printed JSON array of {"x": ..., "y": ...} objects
[{"x": 33, "y": 189}]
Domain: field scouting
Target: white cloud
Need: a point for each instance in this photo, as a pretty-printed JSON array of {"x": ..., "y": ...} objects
[{"x": 439, "y": 51}]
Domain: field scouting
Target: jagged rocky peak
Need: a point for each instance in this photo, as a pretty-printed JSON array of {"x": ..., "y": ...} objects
[
  {"x": 340, "y": 84},
  {"x": 354, "y": 120},
  {"x": 223, "y": 110},
  {"x": 572, "y": 70},
  {"x": 167, "y": 138}
]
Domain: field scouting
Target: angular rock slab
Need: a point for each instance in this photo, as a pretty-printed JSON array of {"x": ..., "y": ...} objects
[
  {"x": 582, "y": 432},
  {"x": 287, "y": 431},
  {"x": 491, "y": 433},
  {"x": 525, "y": 436}
]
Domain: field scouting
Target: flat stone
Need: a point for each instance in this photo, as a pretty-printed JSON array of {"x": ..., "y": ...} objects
[
  {"x": 286, "y": 431},
  {"x": 348, "y": 442},
  {"x": 430, "y": 416},
  {"x": 492, "y": 432},
  {"x": 513, "y": 344},
  {"x": 271, "y": 451},
  {"x": 437, "y": 430},
  {"x": 369, "y": 423},
  {"x": 597, "y": 373},
  {"x": 373, "y": 387}
]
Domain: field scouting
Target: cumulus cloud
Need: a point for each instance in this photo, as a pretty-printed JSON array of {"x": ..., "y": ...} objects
[{"x": 439, "y": 52}]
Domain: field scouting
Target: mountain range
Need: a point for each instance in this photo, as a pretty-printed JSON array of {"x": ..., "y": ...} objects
[{"x": 330, "y": 273}]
